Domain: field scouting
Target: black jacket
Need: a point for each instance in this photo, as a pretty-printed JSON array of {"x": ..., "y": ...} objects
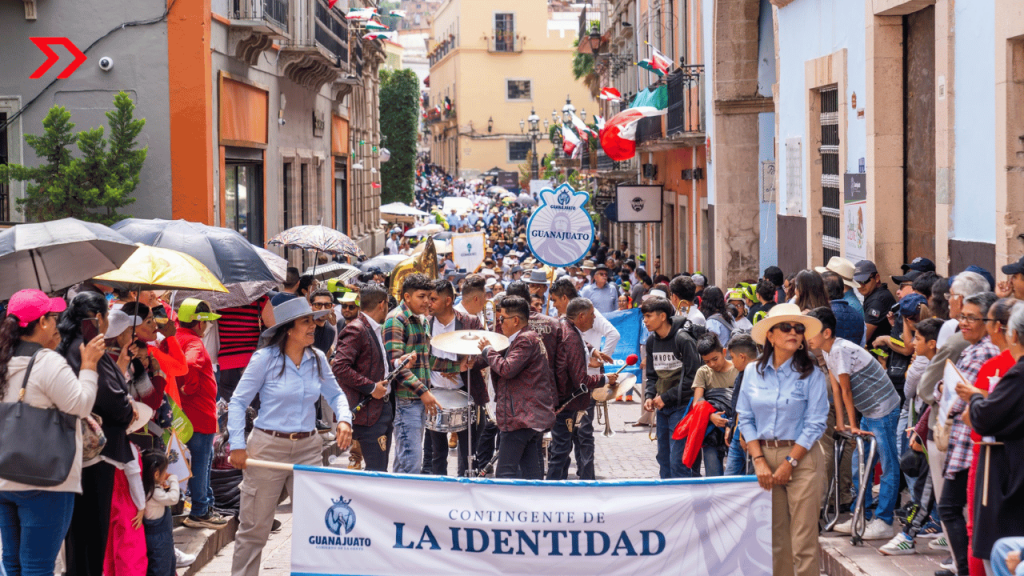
[
  {"x": 113, "y": 403},
  {"x": 666, "y": 357}
]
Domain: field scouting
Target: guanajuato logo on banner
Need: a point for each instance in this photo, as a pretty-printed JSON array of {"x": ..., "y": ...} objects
[
  {"x": 560, "y": 232},
  {"x": 340, "y": 516}
]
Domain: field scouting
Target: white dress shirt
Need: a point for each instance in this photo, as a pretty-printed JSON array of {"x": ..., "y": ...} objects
[
  {"x": 601, "y": 330},
  {"x": 380, "y": 340},
  {"x": 438, "y": 379}
]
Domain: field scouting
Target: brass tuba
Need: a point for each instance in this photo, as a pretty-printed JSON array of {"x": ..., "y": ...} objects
[{"x": 423, "y": 263}]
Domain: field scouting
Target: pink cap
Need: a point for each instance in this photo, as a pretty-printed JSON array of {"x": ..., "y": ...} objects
[{"x": 31, "y": 305}]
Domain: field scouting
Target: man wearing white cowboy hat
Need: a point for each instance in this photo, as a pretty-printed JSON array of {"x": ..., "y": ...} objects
[
  {"x": 845, "y": 269},
  {"x": 782, "y": 410}
]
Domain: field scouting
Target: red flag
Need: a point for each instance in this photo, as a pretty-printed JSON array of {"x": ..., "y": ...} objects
[{"x": 618, "y": 139}]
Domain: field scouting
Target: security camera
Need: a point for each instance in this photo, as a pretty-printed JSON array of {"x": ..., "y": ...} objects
[
  {"x": 281, "y": 121},
  {"x": 106, "y": 63}
]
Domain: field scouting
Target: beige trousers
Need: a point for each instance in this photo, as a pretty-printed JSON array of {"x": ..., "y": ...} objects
[
  {"x": 261, "y": 492},
  {"x": 795, "y": 509}
]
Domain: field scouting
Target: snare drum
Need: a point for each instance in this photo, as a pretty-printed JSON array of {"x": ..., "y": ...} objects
[{"x": 456, "y": 413}]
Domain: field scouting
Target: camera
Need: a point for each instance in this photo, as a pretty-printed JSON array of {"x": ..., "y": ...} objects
[{"x": 106, "y": 63}]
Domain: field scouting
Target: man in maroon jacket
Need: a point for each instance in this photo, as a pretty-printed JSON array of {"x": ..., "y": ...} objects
[
  {"x": 361, "y": 367},
  {"x": 572, "y": 379},
  {"x": 523, "y": 389}
]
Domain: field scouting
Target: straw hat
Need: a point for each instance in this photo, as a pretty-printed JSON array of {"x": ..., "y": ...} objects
[
  {"x": 843, "y": 267},
  {"x": 144, "y": 415},
  {"x": 785, "y": 313}
]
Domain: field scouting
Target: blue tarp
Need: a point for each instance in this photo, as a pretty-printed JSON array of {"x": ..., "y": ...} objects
[{"x": 632, "y": 333}]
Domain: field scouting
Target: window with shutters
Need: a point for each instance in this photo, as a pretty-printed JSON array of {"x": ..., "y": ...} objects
[{"x": 831, "y": 206}]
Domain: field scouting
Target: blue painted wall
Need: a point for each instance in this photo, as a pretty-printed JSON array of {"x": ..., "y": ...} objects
[
  {"x": 769, "y": 255},
  {"x": 975, "y": 145},
  {"x": 765, "y": 51},
  {"x": 810, "y": 29}
]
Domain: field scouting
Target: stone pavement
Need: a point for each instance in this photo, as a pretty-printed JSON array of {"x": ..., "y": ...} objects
[{"x": 629, "y": 453}]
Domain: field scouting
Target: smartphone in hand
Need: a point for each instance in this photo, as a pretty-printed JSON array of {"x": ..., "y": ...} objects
[{"x": 90, "y": 329}]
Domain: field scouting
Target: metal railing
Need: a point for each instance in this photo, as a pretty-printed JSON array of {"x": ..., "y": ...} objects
[
  {"x": 502, "y": 41},
  {"x": 330, "y": 31},
  {"x": 606, "y": 164},
  {"x": 648, "y": 129},
  {"x": 686, "y": 101},
  {"x": 273, "y": 11}
]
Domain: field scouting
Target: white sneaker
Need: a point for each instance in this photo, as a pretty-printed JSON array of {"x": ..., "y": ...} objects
[
  {"x": 900, "y": 545},
  {"x": 939, "y": 543},
  {"x": 877, "y": 529},
  {"x": 182, "y": 559},
  {"x": 844, "y": 527}
]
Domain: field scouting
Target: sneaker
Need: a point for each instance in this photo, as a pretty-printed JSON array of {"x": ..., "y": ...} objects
[
  {"x": 930, "y": 530},
  {"x": 944, "y": 572},
  {"x": 181, "y": 559},
  {"x": 453, "y": 441},
  {"x": 275, "y": 526},
  {"x": 844, "y": 527},
  {"x": 618, "y": 399},
  {"x": 211, "y": 520},
  {"x": 900, "y": 545},
  {"x": 948, "y": 564},
  {"x": 877, "y": 529},
  {"x": 939, "y": 543},
  {"x": 629, "y": 398}
]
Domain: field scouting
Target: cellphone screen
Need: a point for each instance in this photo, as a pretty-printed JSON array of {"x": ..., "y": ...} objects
[{"x": 90, "y": 329}]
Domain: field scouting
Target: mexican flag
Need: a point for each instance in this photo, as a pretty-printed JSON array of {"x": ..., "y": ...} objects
[
  {"x": 361, "y": 14},
  {"x": 618, "y": 139},
  {"x": 657, "y": 63},
  {"x": 397, "y": 13},
  {"x": 375, "y": 26},
  {"x": 610, "y": 94},
  {"x": 582, "y": 128},
  {"x": 569, "y": 141}
]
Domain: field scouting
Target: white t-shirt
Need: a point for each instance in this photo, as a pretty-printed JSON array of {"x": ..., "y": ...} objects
[
  {"x": 948, "y": 329},
  {"x": 693, "y": 314},
  {"x": 437, "y": 379}
]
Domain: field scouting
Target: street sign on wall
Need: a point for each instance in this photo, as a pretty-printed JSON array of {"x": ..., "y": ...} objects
[{"x": 638, "y": 203}]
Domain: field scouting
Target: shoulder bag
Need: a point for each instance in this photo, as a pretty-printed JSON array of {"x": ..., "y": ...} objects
[{"x": 37, "y": 445}]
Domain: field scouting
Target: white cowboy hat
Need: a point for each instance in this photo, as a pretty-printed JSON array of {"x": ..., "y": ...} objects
[
  {"x": 785, "y": 313},
  {"x": 843, "y": 267},
  {"x": 144, "y": 414}
]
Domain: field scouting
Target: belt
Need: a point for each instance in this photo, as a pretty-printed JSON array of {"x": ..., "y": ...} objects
[
  {"x": 287, "y": 435},
  {"x": 778, "y": 443}
]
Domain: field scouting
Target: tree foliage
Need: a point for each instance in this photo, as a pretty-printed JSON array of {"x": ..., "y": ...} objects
[
  {"x": 583, "y": 69},
  {"x": 92, "y": 187},
  {"x": 399, "y": 124}
]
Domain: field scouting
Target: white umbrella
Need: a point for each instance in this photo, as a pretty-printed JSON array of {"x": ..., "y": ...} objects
[
  {"x": 441, "y": 246},
  {"x": 496, "y": 190},
  {"x": 425, "y": 230},
  {"x": 401, "y": 209},
  {"x": 332, "y": 270},
  {"x": 461, "y": 205},
  {"x": 526, "y": 200}
]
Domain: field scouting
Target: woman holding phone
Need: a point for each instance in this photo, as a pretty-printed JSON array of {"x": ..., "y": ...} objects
[{"x": 87, "y": 537}]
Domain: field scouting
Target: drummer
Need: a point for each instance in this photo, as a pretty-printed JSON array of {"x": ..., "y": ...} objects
[{"x": 448, "y": 371}]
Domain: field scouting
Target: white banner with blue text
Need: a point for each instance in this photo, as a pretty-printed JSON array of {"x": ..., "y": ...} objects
[{"x": 366, "y": 523}]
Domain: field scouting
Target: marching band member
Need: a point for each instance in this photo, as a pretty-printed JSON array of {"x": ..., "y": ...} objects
[
  {"x": 405, "y": 332},
  {"x": 524, "y": 387},
  {"x": 361, "y": 366},
  {"x": 570, "y": 375},
  {"x": 448, "y": 371}
]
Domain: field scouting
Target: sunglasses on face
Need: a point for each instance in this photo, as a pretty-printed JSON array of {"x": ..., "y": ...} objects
[
  {"x": 320, "y": 305},
  {"x": 349, "y": 306},
  {"x": 786, "y": 328}
]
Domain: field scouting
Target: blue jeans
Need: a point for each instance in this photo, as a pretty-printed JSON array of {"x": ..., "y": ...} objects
[
  {"x": 410, "y": 418},
  {"x": 884, "y": 429},
  {"x": 160, "y": 545},
  {"x": 713, "y": 456},
  {"x": 1002, "y": 547},
  {"x": 200, "y": 446},
  {"x": 33, "y": 524},
  {"x": 670, "y": 452},
  {"x": 736, "y": 461}
]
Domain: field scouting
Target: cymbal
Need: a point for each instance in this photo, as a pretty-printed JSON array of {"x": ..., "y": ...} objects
[
  {"x": 465, "y": 342},
  {"x": 624, "y": 384}
]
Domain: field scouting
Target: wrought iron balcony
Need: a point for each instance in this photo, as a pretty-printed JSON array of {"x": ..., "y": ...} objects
[
  {"x": 686, "y": 101},
  {"x": 255, "y": 25},
  {"x": 648, "y": 129},
  {"x": 318, "y": 51},
  {"x": 504, "y": 41}
]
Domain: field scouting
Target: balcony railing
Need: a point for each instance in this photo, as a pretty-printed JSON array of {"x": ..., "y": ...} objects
[
  {"x": 686, "y": 101},
  {"x": 606, "y": 164},
  {"x": 648, "y": 129},
  {"x": 274, "y": 12},
  {"x": 502, "y": 41},
  {"x": 331, "y": 31}
]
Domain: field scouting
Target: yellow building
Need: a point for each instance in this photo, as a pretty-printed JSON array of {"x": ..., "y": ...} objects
[{"x": 491, "y": 63}]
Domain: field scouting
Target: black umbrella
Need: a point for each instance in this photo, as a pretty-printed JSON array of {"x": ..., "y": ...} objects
[
  {"x": 385, "y": 263},
  {"x": 51, "y": 256},
  {"x": 227, "y": 254}
]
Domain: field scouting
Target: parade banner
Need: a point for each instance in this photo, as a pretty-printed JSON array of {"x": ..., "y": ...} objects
[
  {"x": 560, "y": 231},
  {"x": 468, "y": 250},
  {"x": 629, "y": 324},
  {"x": 350, "y": 522}
]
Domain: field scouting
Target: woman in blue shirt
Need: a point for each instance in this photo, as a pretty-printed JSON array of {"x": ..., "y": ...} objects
[
  {"x": 290, "y": 375},
  {"x": 782, "y": 409}
]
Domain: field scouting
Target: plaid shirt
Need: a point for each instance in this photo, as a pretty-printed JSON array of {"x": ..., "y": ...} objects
[
  {"x": 960, "y": 452},
  {"x": 405, "y": 332}
]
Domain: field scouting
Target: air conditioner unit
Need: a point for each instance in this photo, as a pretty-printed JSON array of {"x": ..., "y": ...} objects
[{"x": 650, "y": 170}]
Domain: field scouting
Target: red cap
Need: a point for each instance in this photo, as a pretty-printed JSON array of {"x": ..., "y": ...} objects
[{"x": 31, "y": 305}]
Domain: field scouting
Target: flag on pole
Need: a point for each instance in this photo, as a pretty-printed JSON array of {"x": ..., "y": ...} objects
[
  {"x": 618, "y": 139},
  {"x": 569, "y": 140},
  {"x": 582, "y": 128},
  {"x": 375, "y": 26},
  {"x": 611, "y": 94},
  {"x": 657, "y": 63},
  {"x": 397, "y": 13},
  {"x": 599, "y": 122},
  {"x": 376, "y": 36},
  {"x": 361, "y": 14}
]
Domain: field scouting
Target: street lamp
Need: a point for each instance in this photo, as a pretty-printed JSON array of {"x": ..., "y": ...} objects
[
  {"x": 534, "y": 132},
  {"x": 567, "y": 110}
]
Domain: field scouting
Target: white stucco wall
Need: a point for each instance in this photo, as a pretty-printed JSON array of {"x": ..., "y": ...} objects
[
  {"x": 810, "y": 29},
  {"x": 975, "y": 141}
]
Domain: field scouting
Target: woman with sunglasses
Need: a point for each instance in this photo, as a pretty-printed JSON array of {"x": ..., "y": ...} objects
[{"x": 782, "y": 411}]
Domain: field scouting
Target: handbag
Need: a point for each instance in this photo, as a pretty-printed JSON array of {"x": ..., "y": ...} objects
[
  {"x": 914, "y": 464},
  {"x": 941, "y": 434},
  {"x": 37, "y": 445},
  {"x": 93, "y": 439}
]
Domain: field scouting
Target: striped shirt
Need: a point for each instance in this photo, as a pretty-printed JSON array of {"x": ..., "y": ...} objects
[
  {"x": 874, "y": 395},
  {"x": 405, "y": 332},
  {"x": 239, "y": 330},
  {"x": 961, "y": 447}
]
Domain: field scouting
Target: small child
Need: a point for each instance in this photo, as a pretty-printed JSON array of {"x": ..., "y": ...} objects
[
  {"x": 161, "y": 491},
  {"x": 126, "y": 543},
  {"x": 716, "y": 373}
]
